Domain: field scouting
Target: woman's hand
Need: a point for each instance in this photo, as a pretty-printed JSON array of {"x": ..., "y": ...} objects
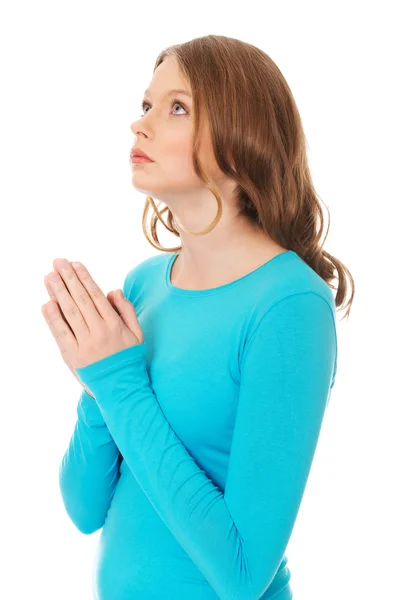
[{"x": 86, "y": 325}]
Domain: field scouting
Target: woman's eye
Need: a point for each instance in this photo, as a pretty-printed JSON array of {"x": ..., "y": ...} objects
[{"x": 174, "y": 102}]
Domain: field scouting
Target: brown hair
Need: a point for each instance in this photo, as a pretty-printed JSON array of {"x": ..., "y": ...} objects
[{"x": 254, "y": 124}]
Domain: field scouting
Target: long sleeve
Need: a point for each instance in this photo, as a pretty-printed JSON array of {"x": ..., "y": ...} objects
[
  {"x": 89, "y": 469},
  {"x": 236, "y": 536}
]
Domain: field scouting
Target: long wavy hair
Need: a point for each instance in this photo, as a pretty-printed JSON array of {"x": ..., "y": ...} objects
[{"x": 259, "y": 141}]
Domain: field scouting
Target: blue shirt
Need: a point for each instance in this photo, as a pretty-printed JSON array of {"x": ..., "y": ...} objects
[{"x": 194, "y": 455}]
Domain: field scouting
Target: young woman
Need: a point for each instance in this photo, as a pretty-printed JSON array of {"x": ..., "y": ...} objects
[{"x": 206, "y": 385}]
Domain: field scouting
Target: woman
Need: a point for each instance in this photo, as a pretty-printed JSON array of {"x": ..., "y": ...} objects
[{"x": 194, "y": 441}]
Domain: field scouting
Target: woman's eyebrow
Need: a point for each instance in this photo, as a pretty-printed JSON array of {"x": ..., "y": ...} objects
[{"x": 170, "y": 93}]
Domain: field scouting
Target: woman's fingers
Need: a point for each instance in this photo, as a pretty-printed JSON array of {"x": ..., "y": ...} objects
[
  {"x": 46, "y": 313},
  {"x": 50, "y": 291},
  {"x": 49, "y": 312},
  {"x": 64, "y": 355},
  {"x": 71, "y": 311},
  {"x": 79, "y": 290},
  {"x": 54, "y": 299}
]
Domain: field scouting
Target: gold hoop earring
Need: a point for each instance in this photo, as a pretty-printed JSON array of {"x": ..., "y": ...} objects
[{"x": 210, "y": 227}]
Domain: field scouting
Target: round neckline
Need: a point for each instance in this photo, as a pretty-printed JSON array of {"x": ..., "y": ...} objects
[{"x": 215, "y": 290}]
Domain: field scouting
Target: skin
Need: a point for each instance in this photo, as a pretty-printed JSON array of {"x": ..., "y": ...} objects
[
  {"x": 234, "y": 247},
  {"x": 86, "y": 324}
]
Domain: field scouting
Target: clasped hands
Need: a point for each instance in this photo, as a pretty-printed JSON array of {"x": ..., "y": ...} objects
[{"x": 86, "y": 324}]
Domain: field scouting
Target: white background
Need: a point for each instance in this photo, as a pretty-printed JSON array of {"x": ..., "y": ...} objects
[{"x": 72, "y": 79}]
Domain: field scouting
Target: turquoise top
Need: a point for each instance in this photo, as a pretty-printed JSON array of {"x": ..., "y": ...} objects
[{"x": 194, "y": 455}]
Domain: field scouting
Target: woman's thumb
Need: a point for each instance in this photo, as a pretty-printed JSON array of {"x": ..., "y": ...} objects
[{"x": 127, "y": 312}]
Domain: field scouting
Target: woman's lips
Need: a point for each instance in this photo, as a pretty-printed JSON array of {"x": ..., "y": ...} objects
[{"x": 140, "y": 159}]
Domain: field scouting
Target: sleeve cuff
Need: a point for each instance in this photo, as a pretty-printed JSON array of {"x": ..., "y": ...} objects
[{"x": 111, "y": 362}]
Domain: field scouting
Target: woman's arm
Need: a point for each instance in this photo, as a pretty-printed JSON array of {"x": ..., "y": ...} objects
[{"x": 89, "y": 470}]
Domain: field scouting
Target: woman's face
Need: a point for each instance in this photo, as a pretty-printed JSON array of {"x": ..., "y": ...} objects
[{"x": 164, "y": 132}]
